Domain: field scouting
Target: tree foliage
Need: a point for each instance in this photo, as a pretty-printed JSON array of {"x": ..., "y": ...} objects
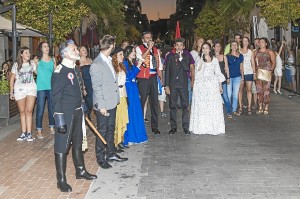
[
  {"x": 209, "y": 24},
  {"x": 66, "y": 15},
  {"x": 133, "y": 35},
  {"x": 114, "y": 25},
  {"x": 110, "y": 16},
  {"x": 279, "y": 12}
]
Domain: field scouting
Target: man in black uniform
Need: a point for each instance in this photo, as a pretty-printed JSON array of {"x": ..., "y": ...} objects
[
  {"x": 176, "y": 83},
  {"x": 68, "y": 114}
]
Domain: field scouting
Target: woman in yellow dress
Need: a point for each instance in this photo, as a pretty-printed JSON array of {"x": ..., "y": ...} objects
[{"x": 122, "y": 108}]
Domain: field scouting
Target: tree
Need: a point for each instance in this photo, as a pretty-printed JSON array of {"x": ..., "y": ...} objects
[
  {"x": 279, "y": 12},
  {"x": 236, "y": 14},
  {"x": 209, "y": 24},
  {"x": 66, "y": 15},
  {"x": 133, "y": 35},
  {"x": 110, "y": 16},
  {"x": 114, "y": 25}
]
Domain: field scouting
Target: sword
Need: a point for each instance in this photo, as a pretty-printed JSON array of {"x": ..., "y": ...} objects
[{"x": 95, "y": 130}]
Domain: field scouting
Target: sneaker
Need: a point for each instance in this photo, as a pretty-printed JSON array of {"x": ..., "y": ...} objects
[
  {"x": 22, "y": 137},
  {"x": 39, "y": 135},
  {"x": 52, "y": 131},
  {"x": 229, "y": 116},
  {"x": 162, "y": 114},
  {"x": 29, "y": 137}
]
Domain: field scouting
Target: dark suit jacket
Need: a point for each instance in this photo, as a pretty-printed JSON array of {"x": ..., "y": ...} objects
[{"x": 176, "y": 68}]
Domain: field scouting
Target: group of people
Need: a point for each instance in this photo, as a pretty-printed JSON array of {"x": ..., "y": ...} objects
[{"x": 119, "y": 83}]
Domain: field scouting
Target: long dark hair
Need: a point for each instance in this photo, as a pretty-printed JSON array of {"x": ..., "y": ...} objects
[
  {"x": 242, "y": 45},
  {"x": 231, "y": 48},
  {"x": 128, "y": 51},
  {"x": 267, "y": 42},
  {"x": 20, "y": 59},
  {"x": 39, "y": 51},
  {"x": 211, "y": 53}
]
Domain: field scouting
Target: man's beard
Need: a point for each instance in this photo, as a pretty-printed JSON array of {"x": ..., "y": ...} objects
[{"x": 74, "y": 56}]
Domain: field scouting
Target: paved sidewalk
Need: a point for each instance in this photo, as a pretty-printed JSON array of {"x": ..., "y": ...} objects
[
  {"x": 28, "y": 170},
  {"x": 258, "y": 157}
]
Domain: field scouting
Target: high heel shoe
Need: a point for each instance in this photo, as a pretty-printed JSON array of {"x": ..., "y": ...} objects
[
  {"x": 266, "y": 111},
  {"x": 260, "y": 110},
  {"x": 275, "y": 91},
  {"x": 279, "y": 92}
]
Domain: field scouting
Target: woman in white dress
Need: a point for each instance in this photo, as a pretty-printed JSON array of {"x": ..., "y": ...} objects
[{"x": 207, "y": 110}]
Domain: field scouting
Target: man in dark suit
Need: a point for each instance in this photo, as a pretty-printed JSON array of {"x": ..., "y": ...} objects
[
  {"x": 176, "y": 83},
  {"x": 106, "y": 98},
  {"x": 67, "y": 105}
]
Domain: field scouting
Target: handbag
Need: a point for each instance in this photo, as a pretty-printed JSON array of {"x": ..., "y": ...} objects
[{"x": 264, "y": 75}]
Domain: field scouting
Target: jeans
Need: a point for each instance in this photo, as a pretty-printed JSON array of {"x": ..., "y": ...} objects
[
  {"x": 233, "y": 91},
  {"x": 41, "y": 100},
  {"x": 225, "y": 98}
]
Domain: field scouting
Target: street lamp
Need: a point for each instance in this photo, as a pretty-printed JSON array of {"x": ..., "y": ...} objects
[{"x": 192, "y": 9}]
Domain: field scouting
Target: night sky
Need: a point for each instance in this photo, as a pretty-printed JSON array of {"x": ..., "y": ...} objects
[{"x": 153, "y": 7}]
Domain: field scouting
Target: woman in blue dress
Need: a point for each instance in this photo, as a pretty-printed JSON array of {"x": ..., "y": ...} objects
[{"x": 136, "y": 131}]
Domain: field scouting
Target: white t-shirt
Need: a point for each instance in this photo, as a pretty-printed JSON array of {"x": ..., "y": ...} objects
[
  {"x": 24, "y": 77},
  {"x": 195, "y": 55},
  {"x": 247, "y": 63}
]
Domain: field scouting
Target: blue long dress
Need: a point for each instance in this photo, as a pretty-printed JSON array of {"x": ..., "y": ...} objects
[
  {"x": 85, "y": 71},
  {"x": 136, "y": 131}
]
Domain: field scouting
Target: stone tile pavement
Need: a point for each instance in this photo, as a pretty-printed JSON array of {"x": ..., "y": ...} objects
[
  {"x": 258, "y": 157},
  {"x": 28, "y": 170}
]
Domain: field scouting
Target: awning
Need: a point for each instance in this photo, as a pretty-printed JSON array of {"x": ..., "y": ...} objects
[{"x": 24, "y": 31}]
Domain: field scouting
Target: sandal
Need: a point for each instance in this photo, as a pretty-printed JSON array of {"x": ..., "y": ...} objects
[
  {"x": 249, "y": 110},
  {"x": 260, "y": 110},
  {"x": 237, "y": 113},
  {"x": 266, "y": 111},
  {"x": 240, "y": 111}
]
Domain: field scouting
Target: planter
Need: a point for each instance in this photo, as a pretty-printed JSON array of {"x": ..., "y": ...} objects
[{"x": 4, "y": 107}]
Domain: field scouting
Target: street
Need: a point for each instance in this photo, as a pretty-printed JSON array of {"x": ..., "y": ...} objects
[{"x": 258, "y": 157}]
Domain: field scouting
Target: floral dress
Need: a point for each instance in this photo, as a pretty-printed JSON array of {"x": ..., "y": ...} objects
[{"x": 207, "y": 110}]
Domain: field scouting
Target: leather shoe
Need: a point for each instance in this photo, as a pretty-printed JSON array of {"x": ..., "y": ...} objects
[
  {"x": 117, "y": 158},
  {"x": 172, "y": 131},
  {"x": 122, "y": 146},
  {"x": 104, "y": 164},
  {"x": 155, "y": 131},
  {"x": 119, "y": 150},
  {"x": 186, "y": 131}
]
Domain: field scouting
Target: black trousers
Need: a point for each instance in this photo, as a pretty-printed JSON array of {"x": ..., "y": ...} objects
[
  {"x": 184, "y": 99},
  {"x": 73, "y": 135},
  {"x": 106, "y": 127},
  {"x": 149, "y": 87}
]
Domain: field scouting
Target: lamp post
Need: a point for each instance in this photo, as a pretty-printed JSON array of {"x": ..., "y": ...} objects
[
  {"x": 50, "y": 39},
  {"x": 14, "y": 28}
]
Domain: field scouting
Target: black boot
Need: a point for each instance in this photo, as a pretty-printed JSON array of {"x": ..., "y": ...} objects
[
  {"x": 61, "y": 163},
  {"x": 81, "y": 172}
]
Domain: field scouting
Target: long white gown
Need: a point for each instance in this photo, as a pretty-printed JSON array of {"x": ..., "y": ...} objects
[{"x": 207, "y": 110}]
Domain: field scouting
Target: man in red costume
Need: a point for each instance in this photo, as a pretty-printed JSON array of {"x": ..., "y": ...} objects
[{"x": 147, "y": 77}]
